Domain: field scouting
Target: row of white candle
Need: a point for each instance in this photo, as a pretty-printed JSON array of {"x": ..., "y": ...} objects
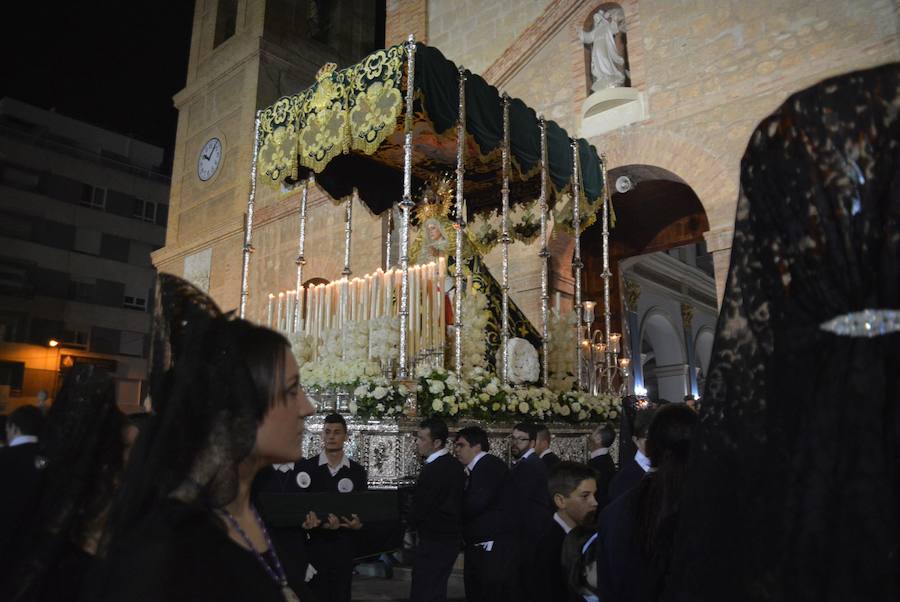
[{"x": 320, "y": 307}]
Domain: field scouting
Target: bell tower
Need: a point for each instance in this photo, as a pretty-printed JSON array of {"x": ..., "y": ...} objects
[{"x": 244, "y": 55}]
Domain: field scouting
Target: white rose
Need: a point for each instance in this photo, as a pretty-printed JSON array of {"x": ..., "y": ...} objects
[
  {"x": 565, "y": 411},
  {"x": 491, "y": 389},
  {"x": 402, "y": 390},
  {"x": 437, "y": 405},
  {"x": 379, "y": 393},
  {"x": 380, "y": 407},
  {"x": 483, "y": 396},
  {"x": 523, "y": 407},
  {"x": 449, "y": 399},
  {"x": 361, "y": 390},
  {"x": 613, "y": 413},
  {"x": 576, "y": 407},
  {"x": 436, "y": 387}
]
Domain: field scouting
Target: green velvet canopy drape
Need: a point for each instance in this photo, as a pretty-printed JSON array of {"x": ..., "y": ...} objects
[{"x": 348, "y": 129}]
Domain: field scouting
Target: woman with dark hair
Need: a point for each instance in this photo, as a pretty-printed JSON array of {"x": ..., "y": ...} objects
[
  {"x": 636, "y": 531},
  {"x": 227, "y": 402},
  {"x": 81, "y": 454}
]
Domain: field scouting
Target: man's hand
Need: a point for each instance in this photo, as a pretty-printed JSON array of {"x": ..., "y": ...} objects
[
  {"x": 312, "y": 521},
  {"x": 331, "y": 523},
  {"x": 353, "y": 523}
]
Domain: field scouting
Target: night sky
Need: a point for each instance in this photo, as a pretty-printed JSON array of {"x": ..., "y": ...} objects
[{"x": 112, "y": 64}]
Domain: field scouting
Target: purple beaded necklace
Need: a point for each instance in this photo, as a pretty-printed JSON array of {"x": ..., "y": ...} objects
[{"x": 277, "y": 575}]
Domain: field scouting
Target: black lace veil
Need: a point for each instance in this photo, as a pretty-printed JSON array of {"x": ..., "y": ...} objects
[
  {"x": 81, "y": 451},
  {"x": 205, "y": 408},
  {"x": 794, "y": 486}
]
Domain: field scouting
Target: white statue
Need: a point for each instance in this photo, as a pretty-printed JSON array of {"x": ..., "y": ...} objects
[{"x": 607, "y": 64}]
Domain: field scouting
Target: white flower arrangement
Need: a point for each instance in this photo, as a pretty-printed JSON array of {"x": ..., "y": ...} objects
[
  {"x": 303, "y": 347},
  {"x": 440, "y": 393},
  {"x": 378, "y": 397},
  {"x": 561, "y": 351},
  {"x": 475, "y": 319},
  {"x": 355, "y": 339},
  {"x": 332, "y": 374},
  {"x": 384, "y": 338},
  {"x": 332, "y": 345}
]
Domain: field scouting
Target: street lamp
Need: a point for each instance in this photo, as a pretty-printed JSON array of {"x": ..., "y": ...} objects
[{"x": 54, "y": 344}]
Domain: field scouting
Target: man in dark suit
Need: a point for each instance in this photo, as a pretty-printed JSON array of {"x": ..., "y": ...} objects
[
  {"x": 631, "y": 473},
  {"x": 20, "y": 468},
  {"x": 436, "y": 513},
  {"x": 542, "y": 447},
  {"x": 488, "y": 525},
  {"x": 573, "y": 489},
  {"x": 528, "y": 487},
  {"x": 332, "y": 546},
  {"x": 602, "y": 437}
]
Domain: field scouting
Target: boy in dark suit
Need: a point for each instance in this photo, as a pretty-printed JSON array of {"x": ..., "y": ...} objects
[
  {"x": 436, "y": 513},
  {"x": 602, "y": 437},
  {"x": 332, "y": 546},
  {"x": 632, "y": 471},
  {"x": 573, "y": 488},
  {"x": 488, "y": 528}
]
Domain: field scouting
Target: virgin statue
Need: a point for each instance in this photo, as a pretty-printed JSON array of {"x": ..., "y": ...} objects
[{"x": 436, "y": 237}]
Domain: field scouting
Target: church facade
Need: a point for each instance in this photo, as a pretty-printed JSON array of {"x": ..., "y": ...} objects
[{"x": 699, "y": 77}]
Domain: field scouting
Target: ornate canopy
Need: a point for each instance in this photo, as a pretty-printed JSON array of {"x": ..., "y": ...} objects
[{"x": 347, "y": 128}]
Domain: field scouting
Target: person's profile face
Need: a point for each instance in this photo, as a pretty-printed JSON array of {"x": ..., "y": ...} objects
[
  {"x": 519, "y": 443},
  {"x": 425, "y": 445},
  {"x": 581, "y": 504},
  {"x": 335, "y": 435},
  {"x": 280, "y": 434},
  {"x": 465, "y": 453}
]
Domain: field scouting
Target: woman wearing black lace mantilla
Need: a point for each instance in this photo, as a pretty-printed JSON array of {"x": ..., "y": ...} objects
[
  {"x": 227, "y": 402},
  {"x": 793, "y": 490}
]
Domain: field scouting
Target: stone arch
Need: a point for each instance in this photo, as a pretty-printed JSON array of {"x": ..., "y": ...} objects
[
  {"x": 703, "y": 344},
  {"x": 658, "y": 328},
  {"x": 665, "y": 376},
  {"x": 714, "y": 183}
]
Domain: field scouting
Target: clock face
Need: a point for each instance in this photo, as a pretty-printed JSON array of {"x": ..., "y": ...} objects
[{"x": 210, "y": 157}]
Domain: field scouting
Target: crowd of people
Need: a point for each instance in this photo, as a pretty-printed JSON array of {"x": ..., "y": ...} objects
[
  {"x": 753, "y": 500},
  {"x": 85, "y": 522}
]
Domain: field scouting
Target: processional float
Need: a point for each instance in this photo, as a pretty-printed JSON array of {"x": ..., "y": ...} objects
[{"x": 401, "y": 118}]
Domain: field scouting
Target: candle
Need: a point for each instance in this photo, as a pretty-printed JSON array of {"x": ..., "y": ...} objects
[
  {"x": 280, "y": 311},
  {"x": 289, "y": 314},
  {"x": 442, "y": 286},
  {"x": 556, "y": 301},
  {"x": 269, "y": 309},
  {"x": 299, "y": 301}
]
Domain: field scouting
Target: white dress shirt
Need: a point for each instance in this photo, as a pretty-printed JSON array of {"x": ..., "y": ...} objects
[
  {"x": 600, "y": 451},
  {"x": 436, "y": 455},
  {"x": 642, "y": 460},
  {"x": 22, "y": 440},
  {"x": 345, "y": 463}
]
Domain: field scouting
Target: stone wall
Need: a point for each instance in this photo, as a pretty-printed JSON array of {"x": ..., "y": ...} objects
[
  {"x": 710, "y": 70},
  {"x": 404, "y": 17},
  {"x": 473, "y": 33}
]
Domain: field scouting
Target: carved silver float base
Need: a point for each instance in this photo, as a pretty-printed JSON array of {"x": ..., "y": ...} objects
[{"x": 387, "y": 448}]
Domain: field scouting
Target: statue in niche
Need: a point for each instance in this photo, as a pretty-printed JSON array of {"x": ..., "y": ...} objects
[{"x": 607, "y": 49}]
